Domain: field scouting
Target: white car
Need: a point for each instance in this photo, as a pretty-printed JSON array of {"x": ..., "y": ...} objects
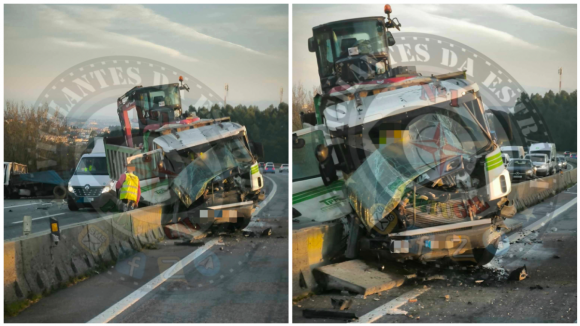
[{"x": 283, "y": 168}]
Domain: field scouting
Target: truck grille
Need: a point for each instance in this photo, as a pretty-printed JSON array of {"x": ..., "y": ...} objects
[{"x": 92, "y": 192}]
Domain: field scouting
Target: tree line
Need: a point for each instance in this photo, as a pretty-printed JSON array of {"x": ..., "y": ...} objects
[
  {"x": 559, "y": 111},
  {"x": 29, "y": 132}
]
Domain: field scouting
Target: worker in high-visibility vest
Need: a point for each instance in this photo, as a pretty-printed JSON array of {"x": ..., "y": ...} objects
[{"x": 128, "y": 188}]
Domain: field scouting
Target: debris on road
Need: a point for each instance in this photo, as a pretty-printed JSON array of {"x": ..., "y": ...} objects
[
  {"x": 537, "y": 287},
  {"x": 519, "y": 274},
  {"x": 341, "y": 304},
  {"x": 447, "y": 297},
  {"x": 413, "y": 300},
  {"x": 479, "y": 281},
  {"x": 331, "y": 314}
]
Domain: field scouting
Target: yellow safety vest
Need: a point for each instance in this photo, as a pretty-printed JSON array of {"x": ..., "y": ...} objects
[
  {"x": 90, "y": 168},
  {"x": 130, "y": 187}
]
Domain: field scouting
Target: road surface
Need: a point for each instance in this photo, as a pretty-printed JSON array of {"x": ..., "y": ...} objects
[
  {"x": 245, "y": 279},
  {"x": 548, "y": 295}
]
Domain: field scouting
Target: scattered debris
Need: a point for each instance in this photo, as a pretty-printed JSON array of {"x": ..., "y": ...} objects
[
  {"x": 267, "y": 232},
  {"x": 410, "y": 276},
  {"x": 344, "y": 292},
  {"x": 341, "y": 304},
  {"x": 538, "y": 287},
  {"x": 519, "y": 274},
  {"x": 194, "y": 243},
  {"x": 435, "y": 277},
  {"x": 332, "y": 314},
  {"x": 376, "y": 299},
  {"x": 447, "y": 297},
  {"x": 556, "y": 256},
  {"x": 413, "y": 300},
  {"x": 479, "y": 281}
]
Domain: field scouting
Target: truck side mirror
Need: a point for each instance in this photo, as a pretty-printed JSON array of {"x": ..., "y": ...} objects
[
  {"x": 297, "y": 143},
  {"x": 257, "y": 149},
  {"x": 311, "y": 45},
  {"x": 390, "y": 39},
  {"x": 504, "y": 120},
  {"x": 309, "y": 118},
  {"x": 326, "y": 164}
]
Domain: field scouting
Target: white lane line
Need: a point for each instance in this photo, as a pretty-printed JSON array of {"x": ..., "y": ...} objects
[
  {"x": 270, "y": 196},
  {"x": 39, "y": 218},
  {"x": 391, "y": 307},
  {"x": 543, "y": 221},
  {"x": 132, "y": 298},
  {"x": 22, "y": 205}
]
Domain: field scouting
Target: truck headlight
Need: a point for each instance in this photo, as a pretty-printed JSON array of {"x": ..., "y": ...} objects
[
  {"x": 106, "y": 189},
  {"x": 70, "y": 188},
  {"x": 529, "y": 171}
]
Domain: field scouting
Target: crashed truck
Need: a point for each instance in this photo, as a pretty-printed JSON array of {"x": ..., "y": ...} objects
[
  {"x": 406, "y": 161},
  {"x": 204, "y": 169}
]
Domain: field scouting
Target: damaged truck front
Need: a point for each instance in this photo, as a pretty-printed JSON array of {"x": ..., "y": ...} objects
[{"x": 420, "y": 171}]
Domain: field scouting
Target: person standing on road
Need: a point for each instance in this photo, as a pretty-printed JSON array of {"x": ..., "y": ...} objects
[{"x": 128, "y": 188}]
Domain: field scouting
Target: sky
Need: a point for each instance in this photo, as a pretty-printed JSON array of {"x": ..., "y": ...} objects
[
  {"x": 245, "y": 46},
  {"x": 531, "y": 42}
]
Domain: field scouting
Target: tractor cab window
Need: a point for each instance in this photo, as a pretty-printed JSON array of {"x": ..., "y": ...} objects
[
  {"x": 325, "y": 55},
  {"x": 363, "y": 37},
  {"x": 160, "y": 104}
]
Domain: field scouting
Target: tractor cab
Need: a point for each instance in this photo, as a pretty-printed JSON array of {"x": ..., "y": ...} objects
[
  {"x": 155, "y": 106},
  {"x": 353, "y": 51}
]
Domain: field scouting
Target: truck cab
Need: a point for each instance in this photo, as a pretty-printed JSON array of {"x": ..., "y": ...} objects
[{"x": 90, "y": 178}]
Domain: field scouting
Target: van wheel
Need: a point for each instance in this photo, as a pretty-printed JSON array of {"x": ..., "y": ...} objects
[{"x": 72, "y": 206}]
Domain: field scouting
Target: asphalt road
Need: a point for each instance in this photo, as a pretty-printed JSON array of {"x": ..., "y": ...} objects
[
  {"x": 40, "y": 210},
  {"x": 243, "y": 279},
  {"x": 549, "y": 294}
]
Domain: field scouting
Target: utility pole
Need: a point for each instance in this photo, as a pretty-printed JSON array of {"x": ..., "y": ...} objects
[
  {"x": 227, "y": 88},
  {"x": 281, "y": 94},
  {"x": 560, "y": 73}
]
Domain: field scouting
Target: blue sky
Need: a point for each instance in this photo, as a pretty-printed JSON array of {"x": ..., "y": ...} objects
[
  {"x": 529, "y": 41},
  {"x": 245, "y": 46}
]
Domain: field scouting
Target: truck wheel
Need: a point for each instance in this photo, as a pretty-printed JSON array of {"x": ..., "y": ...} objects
[{"x": 59, "y": 192}]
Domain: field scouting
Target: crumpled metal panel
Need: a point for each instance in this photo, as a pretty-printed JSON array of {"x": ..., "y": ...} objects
[{"x": 191, "y": 182}]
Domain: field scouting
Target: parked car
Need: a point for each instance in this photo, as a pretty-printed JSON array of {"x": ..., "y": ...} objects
[
  {"x": 562, "y": 163},
  {"x": 283, "y": 168},
  {"x": 567, "y": 154},
  {"x": 521, "y": 169},
  {"x": 269, "y": 168}
]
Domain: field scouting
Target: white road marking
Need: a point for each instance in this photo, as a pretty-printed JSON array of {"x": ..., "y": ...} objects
[
  {"x": 132, "y": 298},
  {"x": 39, "y": 218},
  {"x": 543, "y": 221},
  {"x": 391, "y": 307},
  {"x": 22, "y": 205},
  {"x": 270, "y": 196}
]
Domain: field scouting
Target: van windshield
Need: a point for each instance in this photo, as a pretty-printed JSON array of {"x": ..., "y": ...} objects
[
  {"x": 92, "y": 166},
  {"x": 537, "y": 158}
]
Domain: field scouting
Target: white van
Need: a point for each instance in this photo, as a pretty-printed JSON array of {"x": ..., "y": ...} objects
[
  {"x": 513, "y": 151},
  {"x": 90, "y": 178},
  {"x": 541, "y": 162},
  {"x": 550, "y": 150}
]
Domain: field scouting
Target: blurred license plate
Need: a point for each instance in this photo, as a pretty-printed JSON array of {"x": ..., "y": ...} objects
[
  {"x": 517, "y": 176},
  {"x": 88, "y": 200}
]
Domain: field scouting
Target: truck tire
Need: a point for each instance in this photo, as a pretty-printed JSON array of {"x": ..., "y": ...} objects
[{"x": 59, "y": 192}]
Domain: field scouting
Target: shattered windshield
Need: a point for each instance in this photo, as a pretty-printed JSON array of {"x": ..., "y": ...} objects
[
  {"x": 406, "y": 151},
  {"x": 205, "y": 162}
]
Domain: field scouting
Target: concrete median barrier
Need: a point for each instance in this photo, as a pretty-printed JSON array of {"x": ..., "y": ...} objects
[
  {"x": 324, "y": 244},
  {"x": 313, "y": 247},
  {"x": 35, "y": 265}
]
